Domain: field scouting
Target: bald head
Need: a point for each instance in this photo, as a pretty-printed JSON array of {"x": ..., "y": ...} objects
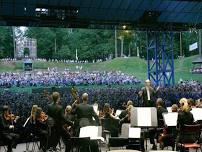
[
  {"x": 56, "y": 97},
  {"x": 85, "y": 97},
  {"x": 147, "y": 82}
]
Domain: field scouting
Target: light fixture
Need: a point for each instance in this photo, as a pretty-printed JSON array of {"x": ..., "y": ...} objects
[{"x": 124, "y": 27}]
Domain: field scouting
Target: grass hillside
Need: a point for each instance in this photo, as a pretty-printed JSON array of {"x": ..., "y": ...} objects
[{"x": 133, "y": 66}]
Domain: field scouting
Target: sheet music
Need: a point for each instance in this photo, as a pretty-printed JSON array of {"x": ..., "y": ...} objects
[
  {"x": 197, "y": 113},
  {"x": 169, "y": 109},
  {"x": 170, "y": 119},
  {"x": 95, "y": 107},
  {"x": 144, "y": 117},
  {"x": 142, "y": 113},
  {"x": 118, "y": 112},
  {"x": 92, "y": 132}
]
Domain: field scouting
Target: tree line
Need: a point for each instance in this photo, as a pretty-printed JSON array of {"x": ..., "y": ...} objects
[{"x": 91, "y": 44}]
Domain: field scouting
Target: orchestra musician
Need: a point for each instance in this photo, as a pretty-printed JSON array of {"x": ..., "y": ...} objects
[
  {"x": 71, "y": 118},
  {"x": 174, "y": 108},
  {"x": 167, "y": 137},
  {"x": 109, "y": 121},
  {"x": 160, "y": 110},
  {"x": 55, "y": 111},
  {"x": 33, "y": 114},
  {"x": 7, "y": 121},
  {"x": 148, "y": 94},
  {"x": 42, "y": 128},
  {"x": 85, "y": 114},
  {"x": 108, "y": 112},
  {"x": 127, "y": 117},
  {"x": 185, "y": 117},
  {"x": 68, "y": 113},
  {"x": 125, "y": 112}
]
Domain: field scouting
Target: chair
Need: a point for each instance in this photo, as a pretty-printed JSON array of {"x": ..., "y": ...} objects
[
  {"x": 79, "y": 144},
  {"x": 189, "y": 137},
  {"x": 169, "y": 138},
  {"x": 111, "y": 125}
]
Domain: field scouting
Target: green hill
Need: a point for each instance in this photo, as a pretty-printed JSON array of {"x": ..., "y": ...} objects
[{"x": 133, "y": 66}]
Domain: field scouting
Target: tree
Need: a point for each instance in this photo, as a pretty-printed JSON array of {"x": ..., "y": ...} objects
[{"x": 6, "y": 42}]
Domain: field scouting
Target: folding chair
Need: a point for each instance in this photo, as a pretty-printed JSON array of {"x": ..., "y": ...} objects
[{"x": 189, "y": 137}]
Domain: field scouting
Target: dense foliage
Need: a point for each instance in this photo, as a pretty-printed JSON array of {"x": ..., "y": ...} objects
[
  {"x": 6, "y": 42},
  {"x": 91, "y": 44}
]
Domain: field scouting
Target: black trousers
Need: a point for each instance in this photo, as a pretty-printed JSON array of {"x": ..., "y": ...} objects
[
  {"x": 152, "y": 136},
  {"x": 11, "y": 139},
  {"x": 57, "y": 133},
  {"x": 43, "y": 137}
]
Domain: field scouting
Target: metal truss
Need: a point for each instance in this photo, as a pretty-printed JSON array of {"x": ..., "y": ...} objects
[{"x": 160, "y": 58}]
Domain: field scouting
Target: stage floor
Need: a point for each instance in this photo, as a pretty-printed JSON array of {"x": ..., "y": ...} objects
[{"x": 22, "y": 148}]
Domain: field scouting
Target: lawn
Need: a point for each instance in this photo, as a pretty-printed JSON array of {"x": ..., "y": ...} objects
[{"x": 132, "y": 66}]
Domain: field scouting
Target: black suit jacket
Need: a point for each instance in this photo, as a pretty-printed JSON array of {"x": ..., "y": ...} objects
[
  {"x": 160, "y": 111},
  {"x": 146, "y": 102},
  {"x": 85, "y": 114},
  {"x": 56, "y": 112},
  {"x": 185, "y": 118}
]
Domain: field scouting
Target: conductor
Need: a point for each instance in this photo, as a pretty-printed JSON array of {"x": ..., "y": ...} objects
[{"x": 148, "y": 94}]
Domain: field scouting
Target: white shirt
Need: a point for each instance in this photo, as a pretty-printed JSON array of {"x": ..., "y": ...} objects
[{"x": 148, "y": 93}]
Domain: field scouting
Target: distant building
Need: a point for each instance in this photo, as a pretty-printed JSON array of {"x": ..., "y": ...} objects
[{"x": 28, "y": 44}]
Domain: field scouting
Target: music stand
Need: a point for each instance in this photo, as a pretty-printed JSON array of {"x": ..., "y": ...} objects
[
  {"x": 94, "y": 132},
  {"x": 169, "y": 109},
  {"x": 144, "y": 117},
  {"x": 170, "y": 119},
  {"x": 197, "y": 114}
]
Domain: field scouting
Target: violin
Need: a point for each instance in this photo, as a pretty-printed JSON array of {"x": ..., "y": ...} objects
[
  {"x": 43, "y": 117},
  {"x": 11, "y": 117}
]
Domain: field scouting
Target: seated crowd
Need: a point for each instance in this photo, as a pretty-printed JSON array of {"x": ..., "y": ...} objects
[
  {"x": 51, "y": 123},
  {"x": 54, "y": 77}
]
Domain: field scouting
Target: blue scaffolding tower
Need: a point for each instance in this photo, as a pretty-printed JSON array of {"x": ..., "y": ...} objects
[{"x": 160, "y": 58}]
